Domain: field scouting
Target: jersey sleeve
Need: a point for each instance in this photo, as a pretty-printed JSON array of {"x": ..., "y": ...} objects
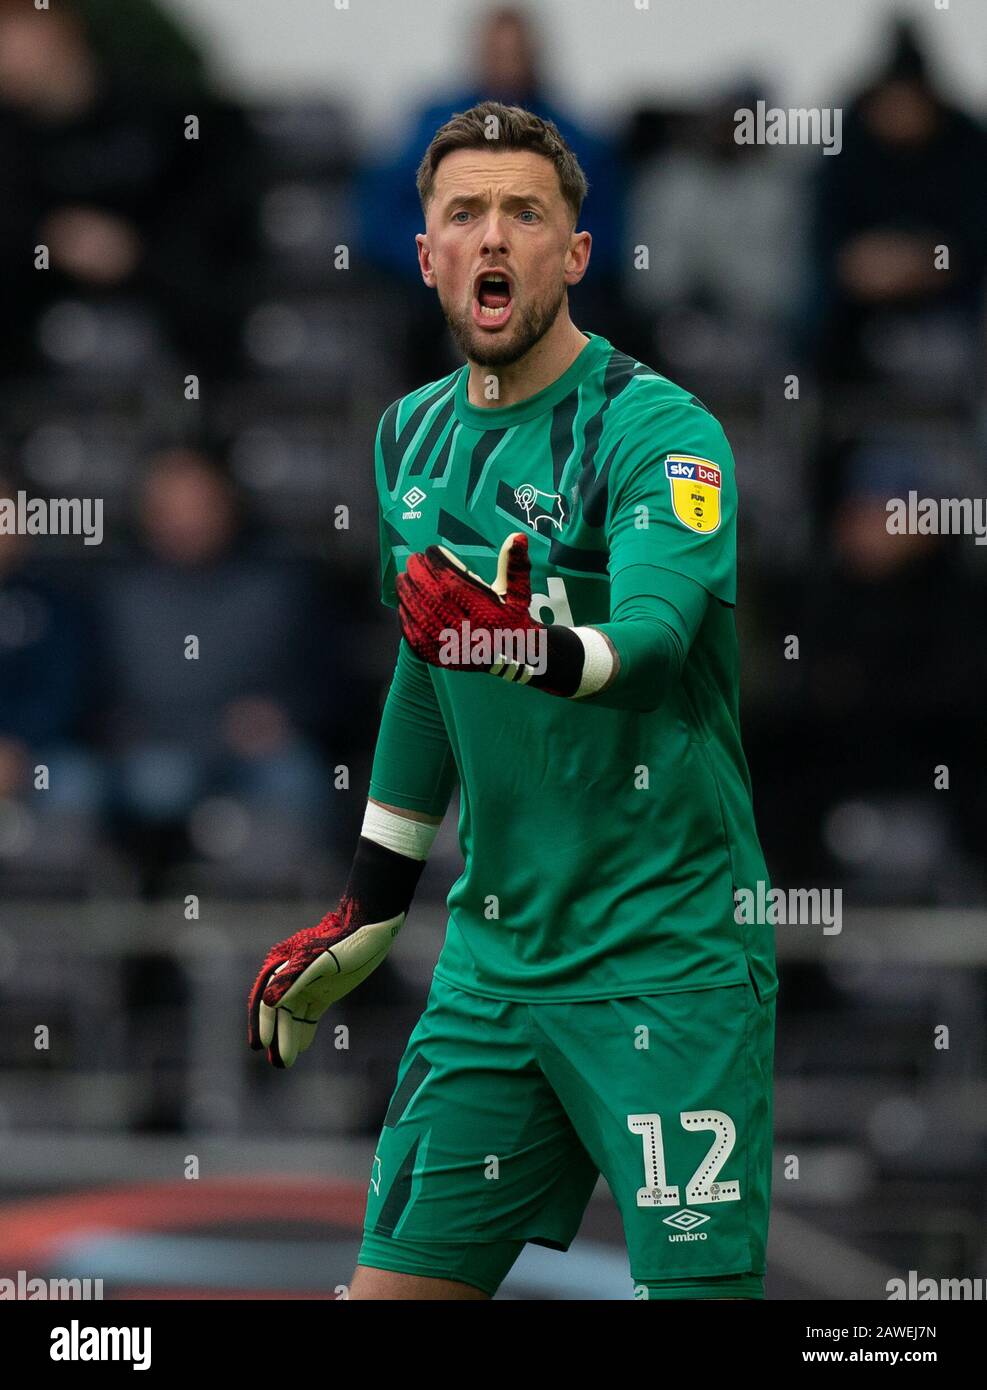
[
  {"x": 413, "y": 763},
  {"x": 672, "y": 500},
  {"x": 655, "y": 616},
  {"x": 388, "y": 569}
]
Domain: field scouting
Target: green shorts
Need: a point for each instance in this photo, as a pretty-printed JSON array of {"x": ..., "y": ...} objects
[{"x": 505, "y": 1114}]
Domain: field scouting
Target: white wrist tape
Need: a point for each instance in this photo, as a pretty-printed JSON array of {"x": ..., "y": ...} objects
[
  {"x": 597, "y": 661},
  {"x": 412, "y": 838}
]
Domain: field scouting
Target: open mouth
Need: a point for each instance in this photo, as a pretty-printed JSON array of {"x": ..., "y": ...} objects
[{"x": 493, "y": 300}]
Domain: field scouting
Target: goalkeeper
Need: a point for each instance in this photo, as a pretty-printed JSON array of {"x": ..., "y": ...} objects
[{"x": 562, "y": 554}]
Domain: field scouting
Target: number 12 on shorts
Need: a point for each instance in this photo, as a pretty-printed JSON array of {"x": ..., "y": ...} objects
[{"x": 703, "y": 1186}]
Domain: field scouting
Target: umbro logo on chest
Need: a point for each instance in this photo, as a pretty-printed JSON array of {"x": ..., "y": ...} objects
[{"x": 413, "y": 499}]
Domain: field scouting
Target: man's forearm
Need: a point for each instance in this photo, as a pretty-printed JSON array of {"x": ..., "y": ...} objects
[{"x": 631, "y": 661}]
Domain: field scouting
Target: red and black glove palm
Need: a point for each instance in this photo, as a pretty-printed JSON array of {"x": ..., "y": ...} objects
[{"x": 438, "y": 594}]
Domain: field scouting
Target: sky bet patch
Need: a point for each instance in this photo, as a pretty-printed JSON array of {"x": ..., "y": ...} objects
[{"x": 695, "y": 485}]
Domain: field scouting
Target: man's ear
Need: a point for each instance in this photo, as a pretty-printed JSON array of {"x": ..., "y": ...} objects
[
  {"x": 425, "y": 259},
  {"x": 577, "y": 256}
]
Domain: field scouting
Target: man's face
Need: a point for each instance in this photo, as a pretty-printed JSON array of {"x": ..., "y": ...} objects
[{"x": 500, "y": 211}]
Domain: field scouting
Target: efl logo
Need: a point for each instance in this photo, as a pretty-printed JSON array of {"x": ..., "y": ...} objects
[{"x": 695, "y": 485}]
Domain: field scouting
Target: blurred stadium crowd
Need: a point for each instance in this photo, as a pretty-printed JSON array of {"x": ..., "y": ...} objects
[{"x": 223, "y": 321}]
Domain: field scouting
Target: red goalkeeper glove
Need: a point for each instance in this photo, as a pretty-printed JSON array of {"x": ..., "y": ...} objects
[
  {"x": 307, "y": 972},
  {"x": 438, "y": 595}
]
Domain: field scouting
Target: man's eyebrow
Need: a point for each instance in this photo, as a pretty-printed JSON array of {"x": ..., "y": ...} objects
[{"x": 512, "y": 199}]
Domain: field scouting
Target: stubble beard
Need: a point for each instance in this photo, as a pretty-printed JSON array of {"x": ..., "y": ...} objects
[{"x": 525, "y": 331}]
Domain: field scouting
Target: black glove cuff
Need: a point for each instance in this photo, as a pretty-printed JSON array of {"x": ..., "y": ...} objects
[{"x": 381, "y": 884}]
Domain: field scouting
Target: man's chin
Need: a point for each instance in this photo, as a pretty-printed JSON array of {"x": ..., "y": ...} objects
[
  {"x": 497, "y": 347},
  {"x": 493, "y": 350}
]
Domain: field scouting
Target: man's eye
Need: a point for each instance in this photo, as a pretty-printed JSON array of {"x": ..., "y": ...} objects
[
  {"x": 528, "y": 212},
  {"x": 461, "y": 213}
]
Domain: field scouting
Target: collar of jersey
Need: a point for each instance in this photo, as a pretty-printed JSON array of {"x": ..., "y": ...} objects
[{"x": 480, "y": 417}]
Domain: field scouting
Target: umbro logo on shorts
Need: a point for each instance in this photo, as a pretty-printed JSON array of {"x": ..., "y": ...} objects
[{"x": 684, "y": 1221}]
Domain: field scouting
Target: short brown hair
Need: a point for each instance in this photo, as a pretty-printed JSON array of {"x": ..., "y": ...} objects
[{"x": 517, "y": 129}]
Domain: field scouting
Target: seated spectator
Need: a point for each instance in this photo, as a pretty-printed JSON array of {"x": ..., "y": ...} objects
[
  {"x": 215, "y": 683},
  {"x": 723, "y": 228},
  {"x": 98, "y": 170},
  {"x": 909, "y": 180},
  {"x": 45, "y": 697},
  {"x": 888, "y": 680}
]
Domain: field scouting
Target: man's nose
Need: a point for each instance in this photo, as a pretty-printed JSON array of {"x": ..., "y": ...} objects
[{"x": 494, "y": 232}]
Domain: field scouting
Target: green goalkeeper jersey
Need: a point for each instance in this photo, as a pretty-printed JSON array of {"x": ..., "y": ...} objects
[{"x": 603, "y": 847}]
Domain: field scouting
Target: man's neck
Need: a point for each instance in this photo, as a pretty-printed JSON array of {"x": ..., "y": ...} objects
[{"x": 540, "y": 367}]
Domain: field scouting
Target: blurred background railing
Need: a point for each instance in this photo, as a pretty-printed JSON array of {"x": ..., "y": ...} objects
[{"x": 888, "y": 1130}]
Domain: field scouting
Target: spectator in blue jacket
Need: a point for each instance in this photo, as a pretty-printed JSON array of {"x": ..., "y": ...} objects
[{"x": 508, "y": 68}]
